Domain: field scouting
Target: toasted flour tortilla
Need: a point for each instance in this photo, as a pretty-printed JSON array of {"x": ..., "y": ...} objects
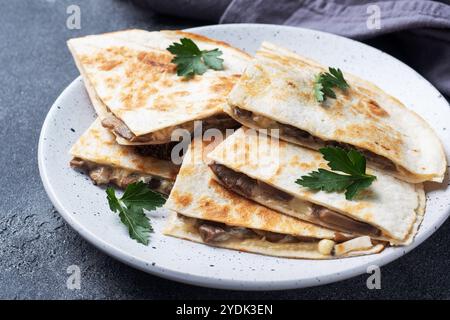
[
  {"x": 135, "y": 89},
  {"x": 97, "y": 152},
  {"x": 276, "y": 90},
  {"x": 197, "y": 199},
  {"x": 391, "y": 206}
]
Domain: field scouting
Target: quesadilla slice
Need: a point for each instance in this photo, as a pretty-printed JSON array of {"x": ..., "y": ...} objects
[
  {"x": 265, "y": 170},
  {"x": 277, "y": 91},
  {"x": 204, "y": 211},
  {"x": 137, "y": 93},
  {"x": 105, "y": 161}
]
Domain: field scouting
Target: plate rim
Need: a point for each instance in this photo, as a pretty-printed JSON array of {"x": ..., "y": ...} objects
[{"x": 207, "y": 281}]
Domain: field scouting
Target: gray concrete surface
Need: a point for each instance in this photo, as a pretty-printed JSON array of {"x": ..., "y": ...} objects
[{"x": 36, "y": 245}]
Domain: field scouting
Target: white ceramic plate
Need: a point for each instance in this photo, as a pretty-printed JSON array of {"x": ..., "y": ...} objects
[{"x": 85, "y": 208}]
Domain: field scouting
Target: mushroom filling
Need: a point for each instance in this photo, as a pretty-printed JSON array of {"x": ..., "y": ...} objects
[
  {"x": 215, "y": 232},
  {"x": 161, "y": 151},
  {"x": 163, "y": 136},
  {"x": 303, "y": 137},
  {"x": 104, "y": 174},
  {"x": 265, "y": 194}
]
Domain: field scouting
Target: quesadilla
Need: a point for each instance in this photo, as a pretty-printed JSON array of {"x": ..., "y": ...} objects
[
  {"x": 137, "y": 93},
  {"x": 105, "y": 161},
  {"x": 204, "y": 211},
  {"x": 161, "y": 151},
  {"x": 265, "y": 170},
  {"x": 276, "y": 91}
]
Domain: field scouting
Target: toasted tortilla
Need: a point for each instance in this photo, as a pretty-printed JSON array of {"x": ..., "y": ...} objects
[
  {"x": 129, "y": 75},
  {"x": 277, "y": 86},
  {"x": 97, "y": 148},
  {"x": 196, "y": 196},
  {"x": 393, "y": 206}
]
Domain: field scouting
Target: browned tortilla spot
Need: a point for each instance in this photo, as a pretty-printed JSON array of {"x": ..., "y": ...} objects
[
  {"x": 183, "y": 200},
  {"x": 376, "y": 109},
  {"x": 109, "y": 65}
]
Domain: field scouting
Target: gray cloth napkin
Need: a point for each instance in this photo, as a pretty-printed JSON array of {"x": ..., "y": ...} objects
[{"x": 415, "y": 31}]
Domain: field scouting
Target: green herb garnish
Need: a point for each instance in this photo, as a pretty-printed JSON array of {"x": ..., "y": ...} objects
[
  {"x": 190, "y": 60},
  {"x": 326, "y": 81},
  {"x": 350, "y": 162},
  {"x": 137, "y": 196}
]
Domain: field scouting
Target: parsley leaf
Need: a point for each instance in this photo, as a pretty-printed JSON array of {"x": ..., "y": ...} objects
[
  {"x": 350, "y": 162},
  {"x": 326, "y": 81},
  {"x": 138, "y": 194},
  {"x": 131, "y": 205},
  {"x": 190, "y": 60},
  {"x": 318, "y": 89}
]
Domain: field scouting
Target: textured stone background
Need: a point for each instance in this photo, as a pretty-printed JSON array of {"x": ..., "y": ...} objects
[{"x": 36, "y": 246}]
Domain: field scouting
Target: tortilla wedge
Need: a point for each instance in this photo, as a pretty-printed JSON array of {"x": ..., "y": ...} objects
[
  {"x": 97, "y": 153},
  {"x": 265, "y": 169},
  {"x": 135, "y": 89},
  {"x": 277, "y": 91},
  {"x": 198, "y": 203}
]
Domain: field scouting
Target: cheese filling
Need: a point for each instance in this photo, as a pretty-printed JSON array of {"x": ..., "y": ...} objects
[
  {"x": 104, "y": 174},
  {"x": 216, "y": 233},
  {"x": 220, "y": 121}
]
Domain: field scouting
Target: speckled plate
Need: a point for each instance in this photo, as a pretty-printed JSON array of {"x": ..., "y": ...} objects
[{"x": 85, "y": 208}]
